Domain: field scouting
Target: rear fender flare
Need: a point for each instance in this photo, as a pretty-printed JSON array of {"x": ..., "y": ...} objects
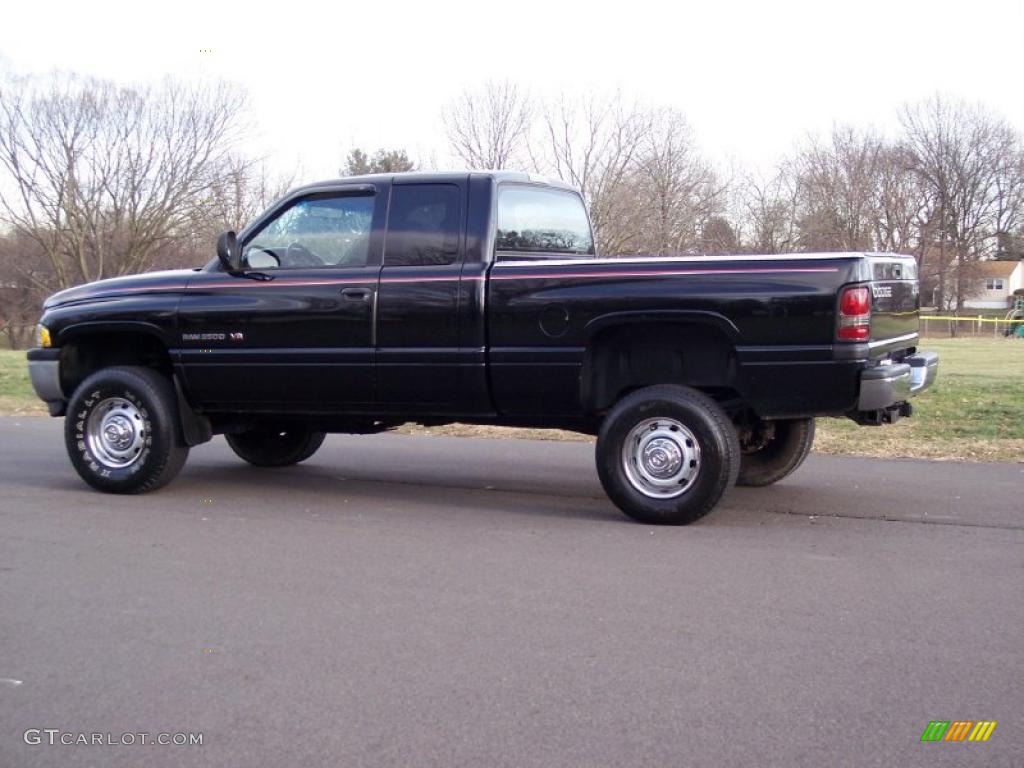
[{"x": 617, "y": 320}]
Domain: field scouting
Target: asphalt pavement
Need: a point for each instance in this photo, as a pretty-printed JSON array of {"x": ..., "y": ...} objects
[{"x": 428, "y": 601}]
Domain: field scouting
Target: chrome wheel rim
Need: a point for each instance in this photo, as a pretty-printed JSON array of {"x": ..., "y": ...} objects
[
  {"x": 661, "y": 458},
  {"x": 116, "y": 433}
]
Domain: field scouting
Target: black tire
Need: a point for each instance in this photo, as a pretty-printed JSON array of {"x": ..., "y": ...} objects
[
  {"x": 780, "y": 456},
  {"x": 122, "y": 432},
  {"x": 681, "y": 420},
  {"x": 275, "y": 446}
]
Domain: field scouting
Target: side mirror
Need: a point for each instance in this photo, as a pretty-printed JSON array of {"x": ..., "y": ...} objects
[{"x": 228, "y": 252}]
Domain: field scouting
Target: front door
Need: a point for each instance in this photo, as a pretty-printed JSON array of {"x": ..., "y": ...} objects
[{"x": 300, "y": 337}]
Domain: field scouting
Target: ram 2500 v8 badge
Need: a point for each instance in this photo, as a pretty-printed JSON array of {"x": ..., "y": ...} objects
[{"x": 356, "y": 305}]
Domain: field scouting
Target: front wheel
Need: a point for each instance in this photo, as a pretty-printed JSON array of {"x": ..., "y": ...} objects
[
  {"x": 275, "y": 446},
  {"x": 774, "y": 450},
  {"x": 666, "y": 454},
  {"x": 121, "y": 430}
]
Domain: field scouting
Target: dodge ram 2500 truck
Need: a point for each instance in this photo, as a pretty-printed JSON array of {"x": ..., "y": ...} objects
[{"x": 359, "y": 304}]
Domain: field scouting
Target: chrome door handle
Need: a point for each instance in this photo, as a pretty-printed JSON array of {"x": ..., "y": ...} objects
[{"x": 356, "y": 294}]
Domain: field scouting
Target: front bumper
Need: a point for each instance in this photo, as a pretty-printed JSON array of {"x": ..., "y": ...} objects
[
  {"x": 887, "y": 386},
  {"x": 44, "y": 373}
]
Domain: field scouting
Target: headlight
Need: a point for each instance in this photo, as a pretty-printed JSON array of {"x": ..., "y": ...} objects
[{"x": 43, "y": 336}]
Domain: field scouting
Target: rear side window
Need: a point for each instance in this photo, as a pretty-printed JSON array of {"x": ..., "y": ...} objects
[
  {"x": 424, "y": 224},
  {"x": 543, "y": 220}
]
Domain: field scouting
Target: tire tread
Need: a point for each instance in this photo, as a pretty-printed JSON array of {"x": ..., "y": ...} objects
[
  {"x": 157, "y": 389},
  {"x": 685, "y": 509},
  {"x": 759, "y": 469}
]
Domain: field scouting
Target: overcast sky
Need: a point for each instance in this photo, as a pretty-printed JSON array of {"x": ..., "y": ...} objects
[{"x": 752, "y": 77}]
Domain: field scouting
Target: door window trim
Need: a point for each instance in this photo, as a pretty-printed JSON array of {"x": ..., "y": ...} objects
[{"x": 374, "y": 253}]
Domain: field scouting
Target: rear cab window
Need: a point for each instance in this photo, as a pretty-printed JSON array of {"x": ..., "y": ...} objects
[
  {"x": 542, "y": 222},
  {"x": 424, "y": 225}
]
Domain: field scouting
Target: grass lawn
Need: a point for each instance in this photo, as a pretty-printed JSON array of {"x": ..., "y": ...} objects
[
  {"x": 974, "y": 411},
  {"x": 16, "y": 395}
]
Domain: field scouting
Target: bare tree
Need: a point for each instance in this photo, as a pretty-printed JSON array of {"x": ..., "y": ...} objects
[
  {"x": 102, "y": 177},
  {"x": 769, "y": 212},
  {"x": 19, "y": 301},
  {"x": 237, "y": 194},
  {"x": 719, "y": 236},
  {"x": 837, "y": 184},
  {"x": 902, "y": 208},
  {"x": 678, "y": 189},
  {"x": 967, "y": 160},
  {"x": 489, "y": 127},
  {"x": 593, "y": 143},
  {"x": 1009, "y": 204}
]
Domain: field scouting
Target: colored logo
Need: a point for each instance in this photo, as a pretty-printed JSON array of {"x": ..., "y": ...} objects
[{"x": 958, "y": 730}]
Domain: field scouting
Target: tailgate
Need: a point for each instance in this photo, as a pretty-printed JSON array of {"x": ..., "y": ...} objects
[{"x": 895, "y": 302}]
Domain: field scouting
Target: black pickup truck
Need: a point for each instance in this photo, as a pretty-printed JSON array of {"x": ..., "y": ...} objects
[{"x": 359, "y": 304}]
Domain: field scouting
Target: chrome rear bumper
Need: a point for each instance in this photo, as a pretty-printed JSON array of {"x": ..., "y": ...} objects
[{"x": 886, "y": 386}]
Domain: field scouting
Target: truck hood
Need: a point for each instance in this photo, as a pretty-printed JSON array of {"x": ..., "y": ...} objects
[{"x": 149, "y": 282}]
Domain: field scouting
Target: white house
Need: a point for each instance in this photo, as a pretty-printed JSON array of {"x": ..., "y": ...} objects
[{"x": 995, "y": 283}]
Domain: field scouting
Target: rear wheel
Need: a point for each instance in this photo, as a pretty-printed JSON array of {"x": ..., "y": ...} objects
[
  {"x": 271, "y": 445},
  {"x": 775, "y": 449},
  {"x": 666, "y": 454},
  {"x": 121, "y": 430}
]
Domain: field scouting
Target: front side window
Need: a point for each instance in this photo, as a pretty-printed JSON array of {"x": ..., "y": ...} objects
[
  {"x": 424, "y": 224},
  {"x": 314, "y": 232},
  {"x": 543, "y": 220},
  {"x": 994, "y": 284}
]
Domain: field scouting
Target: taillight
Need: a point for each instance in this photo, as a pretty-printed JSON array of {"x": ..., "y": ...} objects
[{"x": 854, "y": 314}]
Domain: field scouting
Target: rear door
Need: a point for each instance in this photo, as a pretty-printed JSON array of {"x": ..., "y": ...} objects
[{"x": 417, "y": 327}]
